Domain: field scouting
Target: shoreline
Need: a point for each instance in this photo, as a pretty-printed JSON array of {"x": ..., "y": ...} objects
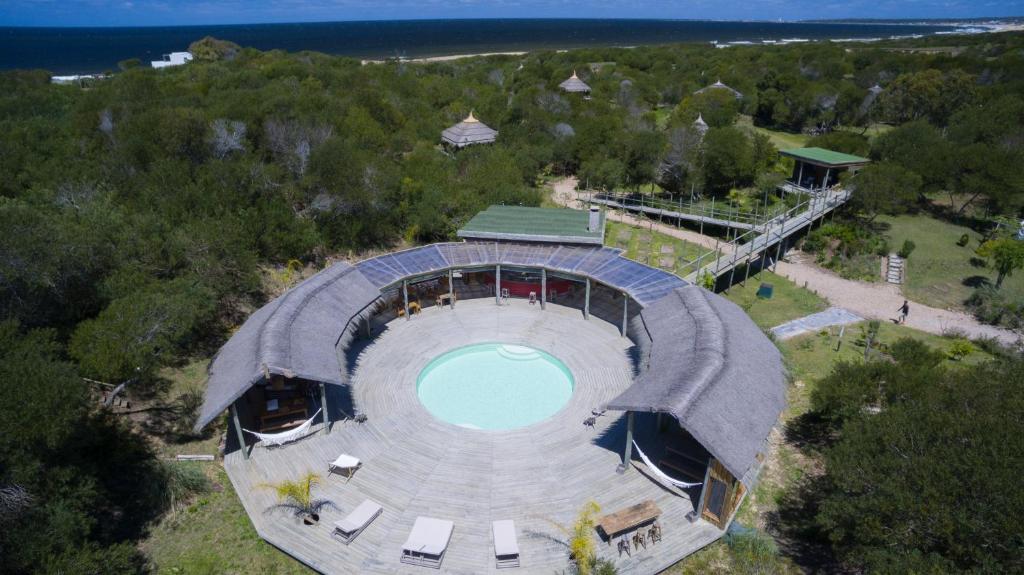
[{"x": 425, "y": 59}]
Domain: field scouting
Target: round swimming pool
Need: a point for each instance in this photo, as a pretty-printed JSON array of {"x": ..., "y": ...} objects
[{"x": 494, "y": 386}]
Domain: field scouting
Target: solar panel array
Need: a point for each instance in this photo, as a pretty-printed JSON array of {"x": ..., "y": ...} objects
[{"x": 605, "y": 265}]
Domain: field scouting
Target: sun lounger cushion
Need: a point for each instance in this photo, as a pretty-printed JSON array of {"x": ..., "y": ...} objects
[
  {"x": 505, "y": 542},
  {"x": 345, "y": 461},
  {"x": 429, "y": 536},
  {"x": 359, "y": 517}
]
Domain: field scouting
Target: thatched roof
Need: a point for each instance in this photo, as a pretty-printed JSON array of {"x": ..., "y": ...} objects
[
  {"x": 468, "y": 132},
  {"x": 708, "y": 365},
  {"x": 718, "y": 85},
  {"x": 700, "y": 125},
  {"x": 574, "y": 84},
  {"x": 294, "y": 335}
]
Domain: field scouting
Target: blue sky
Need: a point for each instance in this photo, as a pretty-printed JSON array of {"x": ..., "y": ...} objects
[{"x": 178, "y": 12}]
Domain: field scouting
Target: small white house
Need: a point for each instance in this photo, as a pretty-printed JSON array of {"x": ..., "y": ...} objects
[{"x": 173, "y": 59}]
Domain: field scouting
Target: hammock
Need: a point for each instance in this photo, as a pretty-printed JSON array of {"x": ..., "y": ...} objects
[
  {"x": 285, "y": 436},
  {"x": 659, "y": 474}
]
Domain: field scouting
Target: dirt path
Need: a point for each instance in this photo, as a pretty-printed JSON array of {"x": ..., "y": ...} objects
[
  {"x": 871, "y": 300},
  {"x": 565, "y": 195}
]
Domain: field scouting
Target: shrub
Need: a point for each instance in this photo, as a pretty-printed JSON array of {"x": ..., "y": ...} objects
[
  {"x": 959, "y": 349},
  {"x": 964, "y": 239},
  {"x": 991, "y": 306},
  {"x": 906, "y": 249}
]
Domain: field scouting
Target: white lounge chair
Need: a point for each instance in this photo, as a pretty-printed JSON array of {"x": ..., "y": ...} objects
[
  {"x": 427, "y": 542},
  {"x": 506, "y": 546},
  {"x": 345, "y": 464},
  {"x": 355, "y": 522}
]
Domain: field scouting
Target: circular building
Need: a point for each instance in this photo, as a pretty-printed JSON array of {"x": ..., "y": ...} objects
[
  {"x": 476, "y": 394},
  {"x": 718, "y": 85},
  {"x": 575, "y": 86}
]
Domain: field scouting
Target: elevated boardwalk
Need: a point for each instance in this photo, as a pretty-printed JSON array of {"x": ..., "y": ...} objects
[
  {"x": 749, "y": 247},
  {"x": 415, "y": 464},
  {"x": 722, "y": 216}
]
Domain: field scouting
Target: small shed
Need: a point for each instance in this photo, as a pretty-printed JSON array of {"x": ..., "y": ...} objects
[
  {"x": 700, "y": 125},
  {"x": 574, "y": 85},
  {"x": 718, "y": 85},
  {"x": 469, "y": 132},
  {"x": 818, "y": 168}
]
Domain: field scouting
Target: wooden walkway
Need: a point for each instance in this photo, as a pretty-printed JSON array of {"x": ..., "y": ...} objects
[
  {"x": 726, "y": 218},
  {"x": 414, "y": 464},
  {"x": 775, "y": 233}
]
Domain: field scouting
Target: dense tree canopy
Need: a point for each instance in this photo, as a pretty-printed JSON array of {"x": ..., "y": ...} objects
[{"x": 922, "y": 477}]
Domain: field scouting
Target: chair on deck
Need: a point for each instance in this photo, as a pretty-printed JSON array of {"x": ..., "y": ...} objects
[
  {"x": 427, "y": 542},
  {"x": 355, "y": 522},
  {"x": 345, "y": 464},
  {"x": 506, "y": 546}
]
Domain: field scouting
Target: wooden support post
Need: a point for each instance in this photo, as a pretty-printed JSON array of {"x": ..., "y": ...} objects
[
  {"x": 405, "y": 297},
  {"x": 366, "y": 324},
  {"x": 800, "y": 177},
  {"x": 627, "y": 455},
  {"x": 238, "y": 430},
  {"x": 543, "y": 287},
  {"x": 658, "y": 422},
  {"x": 451, "y": 288},
  {"x": 625, "y": 312},
  {"x": 497, "y": 284},
  {"x": 704, "y": 489},
  {"x": 586, "y": 300},
  {"x": 764, "y": 254},
  {"x": 323, "y": 407},
  {"x": 778, "y": 248}
]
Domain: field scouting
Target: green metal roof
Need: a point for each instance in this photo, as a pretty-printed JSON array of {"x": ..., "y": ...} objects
[
  {"x": 519, "y": 223},
  {"x": 825, "y": 157}
]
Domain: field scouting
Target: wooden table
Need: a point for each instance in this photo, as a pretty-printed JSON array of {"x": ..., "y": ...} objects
[{"x": 629, "y": 519}]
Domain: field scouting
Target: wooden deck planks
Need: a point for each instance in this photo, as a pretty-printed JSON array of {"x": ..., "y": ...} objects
[{"x": 416, "y": 465}]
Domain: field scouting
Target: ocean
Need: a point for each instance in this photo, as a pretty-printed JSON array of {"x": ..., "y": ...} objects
[{"x": 95, "y": 50}]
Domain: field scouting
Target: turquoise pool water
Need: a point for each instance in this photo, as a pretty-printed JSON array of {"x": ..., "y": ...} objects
[{"x": 494, "y": 386}]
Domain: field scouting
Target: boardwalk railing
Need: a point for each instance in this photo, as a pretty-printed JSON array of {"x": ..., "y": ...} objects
[
  {"x": 753, "y": 244},
  {"x": 719, "y": 214}
]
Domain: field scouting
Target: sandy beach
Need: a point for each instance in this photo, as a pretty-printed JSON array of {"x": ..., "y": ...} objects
[{"x": 449, "y": 57}]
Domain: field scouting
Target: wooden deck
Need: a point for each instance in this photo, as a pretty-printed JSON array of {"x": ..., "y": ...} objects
[{"x": 414, "y": 464}]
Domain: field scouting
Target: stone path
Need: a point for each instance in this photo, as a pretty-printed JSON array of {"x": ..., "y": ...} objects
[
  {"x": 869, "y": 300},
  {"x": 815, "y": 322}
]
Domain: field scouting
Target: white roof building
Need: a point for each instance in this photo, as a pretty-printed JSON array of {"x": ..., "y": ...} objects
[{"x": 173, "y": 59}]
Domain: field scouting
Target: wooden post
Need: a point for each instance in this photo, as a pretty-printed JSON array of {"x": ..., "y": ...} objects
[
  {"x": 778, "y": 249},
  {"x": 451, "y": 288},
  {"x": 625, "y": 312},
  {"x": 405, "y": 298},
  {"x": 238, "y": 430},
  {"x": 366, "y": 324},
  {"x": 704, "y": 489},
  {"x": 497, "y": 284},
  {"x": 586, "y": 300},
  {"x": 543, "y": 287},
  {"x": 764, "y": 254},
  {"x": 323, "y": 407},
  {"x": 824, "y": 185},
  {"x": 627, "y": 455},
  {"x": 800, "y": 177}
]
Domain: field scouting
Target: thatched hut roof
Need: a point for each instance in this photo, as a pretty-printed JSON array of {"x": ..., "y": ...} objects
[
  {"x": 575, "y": 85},
  {"x": 718, "y": 85},
  {"x": 468, "y": 132}
]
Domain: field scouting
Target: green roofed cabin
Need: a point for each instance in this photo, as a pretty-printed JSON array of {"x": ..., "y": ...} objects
[
  {"x": 818, "y": 168},
  {"x": 538, "y": 225}
]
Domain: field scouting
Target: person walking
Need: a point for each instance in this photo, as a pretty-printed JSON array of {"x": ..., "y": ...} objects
[{"x": 904, "y": 312}]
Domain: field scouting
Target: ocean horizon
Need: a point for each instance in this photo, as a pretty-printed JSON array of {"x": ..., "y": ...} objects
[{"x": 97, "y": 50}]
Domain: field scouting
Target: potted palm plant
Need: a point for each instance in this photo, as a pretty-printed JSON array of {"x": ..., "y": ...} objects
[{"x": 297, "y": 498}]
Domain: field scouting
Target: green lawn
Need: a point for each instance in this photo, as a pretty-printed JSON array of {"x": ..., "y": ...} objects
[
  {"x": 213, "y": 535},
  {"x": 654, "y": 248},
  {"x": 939, "y": 272},
  {"x": 782, "y": 140},
  {"x": 788, "y": 301}
]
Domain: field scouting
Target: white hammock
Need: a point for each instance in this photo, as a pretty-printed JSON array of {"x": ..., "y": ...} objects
[
  {"x": 285, "y": 436},
  {"x": 659, "y": 474}
]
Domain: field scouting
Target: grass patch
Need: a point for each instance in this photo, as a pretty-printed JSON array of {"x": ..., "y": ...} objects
[
  {"x": 654, "y": 248},
  {"x": 782, "y": 140},
  {"x": 939, "y": 272},
  {"x": 212, "y": 534},
  {"x": 789, "y": 301}
]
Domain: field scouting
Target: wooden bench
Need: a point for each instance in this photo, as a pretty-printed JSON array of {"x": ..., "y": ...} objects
[{"x": 628, "y": 519}]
